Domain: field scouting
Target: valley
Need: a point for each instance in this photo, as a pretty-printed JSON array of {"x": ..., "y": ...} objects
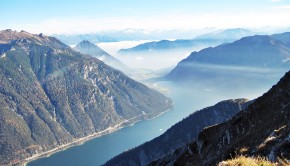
[
  {"x": 187, "y": 96},
  {"x": 144, "y": 83},
  {"x": 186, "y": 101}
]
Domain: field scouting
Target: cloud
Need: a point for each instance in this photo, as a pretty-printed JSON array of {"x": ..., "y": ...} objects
[
  {"x": 139, "y": 58},
  {"x": 274, "y": 17},
  {"x": 282, "y": 7},
  {"x": 276, "y": 0}
]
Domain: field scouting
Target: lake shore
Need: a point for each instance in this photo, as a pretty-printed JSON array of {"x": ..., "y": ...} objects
[{"x": 76, "y": 142}]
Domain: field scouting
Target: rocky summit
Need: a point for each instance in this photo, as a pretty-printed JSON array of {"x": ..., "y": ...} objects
[
  {"x": 260, "y": 130},
  {"x": 51, "y": 95}
]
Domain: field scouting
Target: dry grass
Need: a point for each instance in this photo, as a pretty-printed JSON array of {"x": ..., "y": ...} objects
[{"x": 248, "y": 161}]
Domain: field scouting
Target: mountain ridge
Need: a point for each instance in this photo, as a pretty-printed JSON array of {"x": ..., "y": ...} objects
[
  {"x": 51, "y": 96},
  {"x": 259, "y": 53},
  {"x": 210, "y": 39},
  {"x": 179, "y": 134}
]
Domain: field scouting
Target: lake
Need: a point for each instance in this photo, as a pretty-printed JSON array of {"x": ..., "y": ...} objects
[{"x": 99, "y": 150}]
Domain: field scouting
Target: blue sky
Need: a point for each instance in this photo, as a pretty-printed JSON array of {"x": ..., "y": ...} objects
[{"x": 85, "y": 16}]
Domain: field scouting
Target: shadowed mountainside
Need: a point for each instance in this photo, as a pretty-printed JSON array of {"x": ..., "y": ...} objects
[{"x": 180, "y": 134}]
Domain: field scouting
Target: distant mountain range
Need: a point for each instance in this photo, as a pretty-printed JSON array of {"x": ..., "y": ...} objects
[
  {"x": 74, "y": 39},
  {"x": 93, "y": 50},
  {"x": 209, "y": 39},
  {"x": 258, "y": 54},
  {"x": 248, "y": 133},
  {"x": 126, "y": 35},
  {"x": 227, "y": 35},
  {"x": 180, "y": 134},
  {"x": 52, "y": 97},
  {"x": 260, "y": 130}
]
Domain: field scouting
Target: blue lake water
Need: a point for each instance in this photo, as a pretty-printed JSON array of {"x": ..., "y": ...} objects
[{"x": 99, "y": 150}]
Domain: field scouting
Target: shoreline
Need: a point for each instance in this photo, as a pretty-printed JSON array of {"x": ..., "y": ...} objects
[{"x": 126, "y": 123}]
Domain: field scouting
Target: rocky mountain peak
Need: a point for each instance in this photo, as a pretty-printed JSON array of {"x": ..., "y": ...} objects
[
  {"x": 86, "y": 43},
  {"x": 41, "y": 35},
  {"x": 8, "y": 36},
  {"x": 7, "y": 30}
]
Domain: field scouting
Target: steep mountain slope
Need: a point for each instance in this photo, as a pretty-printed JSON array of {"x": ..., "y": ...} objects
[
  {"x": 51, "y": 95},
  {"x": 262, "y": 129},
  {"x": 180, "y": 134},
  {"x": 210, "y": 39},
  {"x": 93, "y": 50},
  {"x": 254, "y": 54}
]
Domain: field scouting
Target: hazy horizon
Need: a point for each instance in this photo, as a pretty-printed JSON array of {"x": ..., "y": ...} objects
[{"x": 83, "y": 17}]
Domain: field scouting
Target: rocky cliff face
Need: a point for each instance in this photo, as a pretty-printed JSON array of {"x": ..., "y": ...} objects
[
  {"x": 262, "y": 129},
  {"x": 180, "y": 134},
  {"x": 51, "y": 95}
]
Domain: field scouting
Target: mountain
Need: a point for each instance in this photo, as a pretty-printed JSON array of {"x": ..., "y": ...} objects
[
  {"x": 128, "y": 34},
  {"x": 52, "y": 97},
  {"x": 93, "y": 50},
  {"x": 284, "y": 37},
  {"x": 89, "y": 48},
  {"x": 258, "y": 54},
  {"x": 209, "y": 39},
  {"x": 7, "y": 36},
  {"x": 165, "y": 45},
  {"x": 262, "y": 129},
  {"x": 72, "y": 39},
  {"x": 180, "y": 134},
  {"x": 227, "y": 35}
]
